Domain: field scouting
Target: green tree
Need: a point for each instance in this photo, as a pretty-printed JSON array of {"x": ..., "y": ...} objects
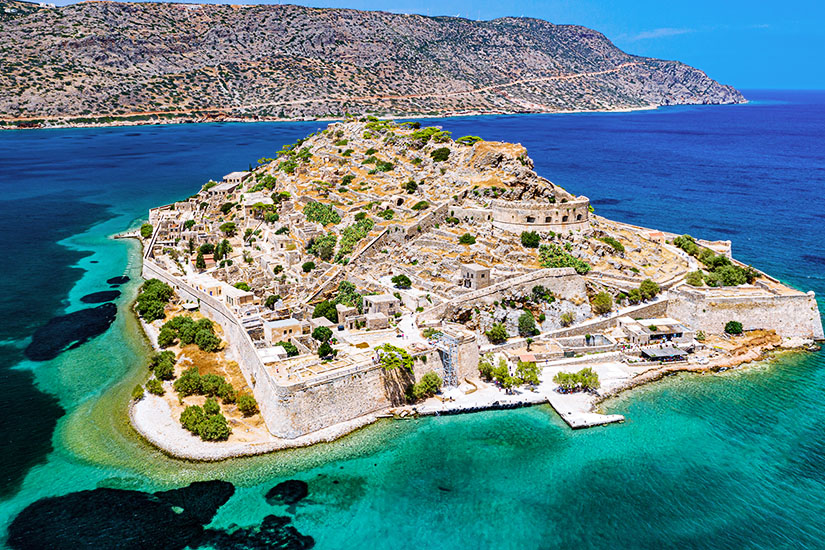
[
  {"x": 247, "y": 405},
  {"x": 528, "y": 372},
  {"x": 146, "y": 230},
  {"x": 325, "y": 350},
  {"x": 497, "y": 334},
  {"x": 229, "y": 228},
  {"x": 733, "y": 327},
  {"x": 210, "y": 384},
  {"x": 137, "y": 393},
  {"x": 649, "y": 289},
  {"x": 527, "y": 324},
  {"x": 322, "y": 334},
  {"x": 192, "y": 417},
  {"x": 428, "y": 386},
  {"x": 166, "y": 337},
  {"x": 530, "y": 239},
  {"x": 189, "y": 383},
  {"x": 308, "y": 266},
  {"x": 214, "y": 428},
  {"x": 325, "y": 309},
  {"x": 226, "y": 392},
  {"x": 188, "y": 224},
  {"x": 411, "y": 187},
  {"x": 602, "y": 303},
  {"x": 695, "y": 278},
  {"x": 271, "y": 300},
  {"x": 200, "y": 262},
  {"x": 401, "y": 281}
]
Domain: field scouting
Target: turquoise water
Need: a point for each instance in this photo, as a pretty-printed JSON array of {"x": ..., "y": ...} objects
[{"x": 716, "y": 461}]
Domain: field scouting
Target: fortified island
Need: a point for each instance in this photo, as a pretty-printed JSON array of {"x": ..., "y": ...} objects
[{"x": 381, "y": 269}]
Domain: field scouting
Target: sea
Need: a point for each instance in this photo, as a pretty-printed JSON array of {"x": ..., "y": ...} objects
[{"x": 727, "y": 460}]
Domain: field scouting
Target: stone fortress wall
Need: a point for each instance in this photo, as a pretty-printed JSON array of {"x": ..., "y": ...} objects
[
  {"x": 559, "y": 217},
  {"x": 791, "y": 314},
  {"x": 297, "y": 409}
]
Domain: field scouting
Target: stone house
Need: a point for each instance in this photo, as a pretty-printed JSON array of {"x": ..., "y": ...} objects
[
  {"x": 387, "y": 304},
  {"x": 475, "y": 276}
]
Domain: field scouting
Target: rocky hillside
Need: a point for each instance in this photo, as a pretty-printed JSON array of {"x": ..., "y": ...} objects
[{"x": 99, "y": 59}]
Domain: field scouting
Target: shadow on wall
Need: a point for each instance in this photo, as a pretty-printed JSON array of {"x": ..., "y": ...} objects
[{"x": 396, "y": 382}]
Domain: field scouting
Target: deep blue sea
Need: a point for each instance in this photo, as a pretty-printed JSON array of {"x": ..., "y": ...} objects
[{"x": 733, "y": 460}]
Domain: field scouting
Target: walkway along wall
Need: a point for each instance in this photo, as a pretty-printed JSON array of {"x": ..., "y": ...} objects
[{"x": 297, "y": 409}]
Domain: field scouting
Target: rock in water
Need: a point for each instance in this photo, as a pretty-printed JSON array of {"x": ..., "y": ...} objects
[
  {"x": 288, "y": 492},
  {"x": 124, "y": 519},
  {"x": 100, "y": 297},
  {"x": 117, "y": 281},
  {"x": 274, "y": 532},
  {"x": 70, "y": 331}
]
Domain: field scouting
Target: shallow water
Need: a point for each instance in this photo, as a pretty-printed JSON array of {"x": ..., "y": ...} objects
[{"x": 732, "y": 460}]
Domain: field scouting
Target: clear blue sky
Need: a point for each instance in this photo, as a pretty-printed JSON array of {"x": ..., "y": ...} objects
[{"x": 749, "y": 44}]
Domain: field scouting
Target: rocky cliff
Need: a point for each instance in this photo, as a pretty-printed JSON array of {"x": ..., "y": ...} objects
[{"x": 105, "y": 58}]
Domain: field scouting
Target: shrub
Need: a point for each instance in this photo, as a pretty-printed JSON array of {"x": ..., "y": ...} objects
[
  {"x": 325, "y": 309},
  {"x": 192, "y": 417},
  {"x": 497, "y": 334},
  {"x": 428, "y": 386},
  {"x": 214, "y": 428},
  {"x": 137, "y": 393},
  {"x": 189, "y": 383},
  {"x": 271, "y": 300},
  {"x": 243, "y": 286},
  {"x": 247, "y": 405},
  {"x": 468, "y": 140},
  {"x": 401, "y": 281},
  {"x": 322, "y": 334},
  {"x": 291, "y": 350},
  {"x": 211, "y": 407},
  {"x": 322, "y": 213},
  {"x": 229, "y": 228},
  {"x": 411, "y": 186},
  {"x": 210, "y": 384},
  {"x": 391, "y": 357},
  {"x": 441, "y": 154},
  {"x": 153, "y": 296},
  {"x": 614, "y": 244},
  {"x": 566, "y": 319},
  {"x": 695, "y": 278},
  {"x": 226, "y": 392},
  {"x": 527, "y": 324},
  {"x": 326, "y": 350},
  {"x": 733, "y": 327},
  {"x": 466, "y": 238},
  {"x": 602, "y": 303},
  {"x": 166, "y": 337},
  {"x": 530, "y": 239},
  {"x": 649, "y": 289},
  {"x": 146, "y": 230},
  {"x": 387, "y": 214},
  {"x": 308, "y": 266},
  {"x": 552, "y": 255}
]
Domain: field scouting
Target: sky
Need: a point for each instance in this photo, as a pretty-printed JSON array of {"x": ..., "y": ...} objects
[{"x": 761, "y": 44}]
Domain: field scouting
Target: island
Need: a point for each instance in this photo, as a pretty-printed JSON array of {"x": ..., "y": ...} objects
[{"x": 389, "y": 269}]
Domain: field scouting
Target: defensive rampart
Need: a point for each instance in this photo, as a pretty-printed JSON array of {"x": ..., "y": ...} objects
[{"x": 789, "y": 314}]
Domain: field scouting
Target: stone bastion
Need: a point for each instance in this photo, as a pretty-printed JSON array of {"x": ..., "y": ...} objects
[{"x": 559, "y": 217}]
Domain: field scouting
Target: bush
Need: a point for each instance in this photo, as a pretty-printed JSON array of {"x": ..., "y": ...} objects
[
  {"x": 466, "y": 238},
  {"x": 387, "y": 214},
  {"x": 210, "y": 384},
  {"x": 189, "y": 383},
  {"x": 421, "y": 205},
  {"x": 165, "y": 370},
  {"x": 154, "y": 386},
  {"x": 166, "y": 337},
  {"x": 552, "y": 255},
  {"x": 322, "y": 334},
  {"x": 325, "y": 350},
  {"x": 497, "y": 334},
  {"x": 137, "y": 393},
  {"x": 226, "y": 392},
  {"x": 401, "y": 281},
  {"x": 291, "y": 350},
  {"x": 271, "y": 300},
  {"x": 153, "y": 296},
  {"x": 530, "y": 239},
  {"x": 485, "y": 368},
  {"x": 733, "y": 327},
  {"x": 146, "y": 230},
  {"x": 649, "y": 289},
  {"x": 428, "y": 386},
  {"x": 391, "y": 357},
  {"x": 441, "y": 154},
  {"x": 325, "y": 309},
  {"x": 214, "y": 428},
  {"x": 308, "y": 266},
  {"x": 614, "y": 244},
  {"x": 410, "y": 187},
  {"x": 211, "y": 407},
  {"x": 192, "y": 417},
  {"x": 322, "y": 213},
  {"x": 566, "y": 319},
  {"x": 602, "y": 303},
  {"x": 247, "y": 405},
  {"x": 527, "y": 324},
  {"x": 695, "y": 278}
]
